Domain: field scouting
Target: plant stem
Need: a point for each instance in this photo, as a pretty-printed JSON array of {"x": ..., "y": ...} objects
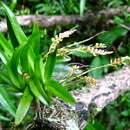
[
  {"x": 86, "y": 40},
  {"x": 79, "y": 75}
]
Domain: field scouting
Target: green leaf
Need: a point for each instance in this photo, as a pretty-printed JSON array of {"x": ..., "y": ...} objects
[
  {"x": 12, "y": 36},
  {"x": 49, "y": 66},
  {"x": 41, "y": 89},
  {"x": 105, "y": 60},
  {"x": 16, "y": 58},
  {"x": 25, "y": 54},
  {"x": 80, "y": 53},
  {"x": 109, "y": 37},
  {"x": 5, "y": 45},
  {"x": 31, "y": 50},
  {"x": 6, "y": 101},
  {"x": 27, "y": 59},
  {"x": 37, "y": 93},
  {"x": 57, "y": 89},
  {"x": 96, "y": 62},
  {"x": 4, "y": 77},
  {"x": 96, "y": 125},
  {"x": 3, "y": 57},
  {"x": 40, "y": 68},
  {"x": 31, "y": 59},
  {"x": 3, "y": 118},
  {"x": 13, "y": 77},
  {"x": 89, "y": 127},
  {"x": 23, "y": 107},
  {"x": 13, "y": 67},
  {"x": 13, "y": 4},
  {"x": 82, "y": 6},
  {"x": 35, "y": 39},
  {"x": 37, "y": 70},
  {"x": 118, "y": 20},
  {"x": 15, "y": 27}
]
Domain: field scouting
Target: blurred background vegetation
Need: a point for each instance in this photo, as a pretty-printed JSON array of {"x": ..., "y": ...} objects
[{"x": 117, "y": 37}]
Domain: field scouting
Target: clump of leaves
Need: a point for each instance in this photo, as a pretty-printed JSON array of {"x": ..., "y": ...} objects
[{"x": 25, "y": 71}]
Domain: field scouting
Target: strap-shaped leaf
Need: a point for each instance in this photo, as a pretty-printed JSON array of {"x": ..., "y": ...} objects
[
  {"x": 4, "y": 77},
  {"x": 16, "y": 58},
  {"x": 13, "y": 77},
  {"x": 12, "y": 36},
  {"x": 28, "y": 59},
  {"x": 6, "y": 46},
  {"x": 3, "y": 118},
  {"x": 12, "y": 67},
  {"x": 25, "y": 53},
  {"x": 57, "y": 89},
  {"x": 6, "y": 101},
  {"x": 31, "y": 59},
  {"x": 3, "y": 57},
  {"x": 36, "y": 92},
  {"x": 35, "y": 39},
  {"x": 49, "y": 66},
  {"x": 23, "y": 107},
  {"x": 31, "y": 50},
  {"x": 14, "y": 26},
  {"x": 13, "y": 4},
  {"x": 24, "y": 58},
  {"x": 39, "y": 68},
  {"x": 41, "y": 89}
]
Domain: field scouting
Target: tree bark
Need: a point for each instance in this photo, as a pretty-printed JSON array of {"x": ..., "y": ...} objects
[{"x": 89, "y": 18}]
